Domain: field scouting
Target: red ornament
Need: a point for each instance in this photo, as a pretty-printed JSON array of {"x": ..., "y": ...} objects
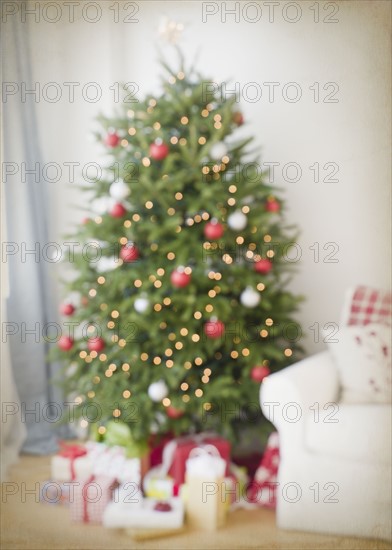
[
  {"x": 213, "y": 230},
  {"x": 259, "y": 372},
  {"x": 112, "y": 139},
  {"x": 238, "y": 118},
  {"x": 129, "y": 253},
  {"x": 96, "y": 344},
  {"x": 214, "y": 329},
  {"x": 263, "y": 266},
  {"x": 174, "y": 413},
  {"x": 67, "y": 309},
  {"x": 179, "y": 278},
  {"x": 118, "y": 211},
  {"x": 272, "y": 205},
  {"x": 65, "y": 343},
  {"x": 159, "y": 151}
]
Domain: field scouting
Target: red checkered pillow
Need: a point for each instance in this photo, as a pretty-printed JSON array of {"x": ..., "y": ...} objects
[{"x": 364, "y": 305}]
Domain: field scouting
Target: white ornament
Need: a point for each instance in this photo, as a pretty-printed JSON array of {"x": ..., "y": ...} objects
[
  {"x": 170, "y": 30},
  {"x": 141, "y": 304},
  {"x": 218, "y": 151},
  {"x": 237, "y": 220},
  {"x": 250, "y": 297},
  {"x": 119, "y": 190},
  {"x": 106, "y": 264},
  {"x": 158, "y": 390},
  {"x": 102, "y": 205}
]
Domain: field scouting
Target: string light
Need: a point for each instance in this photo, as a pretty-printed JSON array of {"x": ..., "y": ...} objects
[
  {"x": 211, "y": 293},
  {"x": 93, "y": 354},
  {"x": 232, "y": 189},
  {"x": 209, "y": 308},
  {"x": 126, "y": 394},
  {"x": 270, "y": 254},
  {"x": 184, "y": 120},
  {"x": 149, "y": 205},
  {"x": 198, "y": 361},
  {"x": 116, "y": 413},
  {"x": 226, "y": 159},
  {"x": 174, "y": 140},
  {"x": 111, "y": 324},
  {"x": 182, "y": 141},
  {"x": 178, "y": 196},
  {"x": 260, "y": 287},
  {"x": 132, "y": 131},
  {"x": 157, "y": 307},
  {"x": 202, "y": 140},
  {"x": 158, "y": 284},
  {"x": 169, "y": 363},
  {"x": 288, "y": 352},
  {"x": 166, "y": 402},
  {"x": 245, "y": 209},
  {"x": 195, "y": 338},
  {"x": 264, "y": 333},
  {"x": 170, "y": 256},
  {"x": 101, "y": 430},
  {"x": 125, "y": 367},
  {"x": 234, "y": 354},
  {"x": 184, "y": 331},
  {"x": 103, "y": 357},
  {"x": 103, "y": 307},
  {"x": 178, "y": 345},
  {"x": 171, "y": 211},
  {"x": 122, "y": 343},
  {"x": 186, "y": 398},
  {"x": 136, "y": 217},
  {"x": 167, "y": 301},
  {"x": 144, "y": 356},
  {"x": 83, "y": 354},
  {"x": 205, "y": 113},
  {"x": 92, "y": 293},
  {"x": 115, "y": 314},
  {"x": 184, "y": 386},
  {"x": 98, "y": 220},
  {"x": 231, "y": 201},
  {"x": 207, "y": 406},
  {"x": 96, "y": 380},
  {"x": 245, "y": 352},
  {"x": 127, "y": 223},
  {"x": 154, "y": 247},
  {"x": 269, "y": 322},
  {"x": 138, "y": 283},
  {"x": 156, "y": 126},
  {"x": 199, "y": 393},
  {"x": 267, "y": 238},
  {"x": 101, "y": 280},
  {"x": 187, "y": 365},
  {"x": 157, "y": 360}
]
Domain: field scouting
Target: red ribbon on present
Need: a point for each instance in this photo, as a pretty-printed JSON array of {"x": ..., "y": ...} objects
[
  {"x": 72, "y": 452},
  {"x": 84, "y": 497}
]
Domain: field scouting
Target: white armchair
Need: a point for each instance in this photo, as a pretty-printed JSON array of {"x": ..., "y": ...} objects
[{"x": 335, "y": 458}]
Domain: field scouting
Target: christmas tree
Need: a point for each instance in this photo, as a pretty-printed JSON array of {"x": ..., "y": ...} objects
[{"x": 185, "y": 307}]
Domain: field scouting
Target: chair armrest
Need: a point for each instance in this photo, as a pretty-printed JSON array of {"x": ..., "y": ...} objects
[{"x": 286, "y": 396}]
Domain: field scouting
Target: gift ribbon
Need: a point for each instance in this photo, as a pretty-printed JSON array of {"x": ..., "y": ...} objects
[
  {"x": 170, "y": 448},
  {"x": 84, "y": 498},
  {"x": 72, "y": 452}
]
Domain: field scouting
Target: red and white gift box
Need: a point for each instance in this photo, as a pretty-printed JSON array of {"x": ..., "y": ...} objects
[
  {"x": 262, "y": 491},
  {"x": 177, "y": 451},
  {"x": 90, "y": 498},
  {"x": 70, "y": 463}
]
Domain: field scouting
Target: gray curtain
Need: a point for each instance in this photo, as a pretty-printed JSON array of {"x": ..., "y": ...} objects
[{"x": 31, "y": 303}]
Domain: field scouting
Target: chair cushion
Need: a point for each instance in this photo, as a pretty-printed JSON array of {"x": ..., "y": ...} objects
[
  {"x": 354, "y": 432},
  {"x": 363, "y": 357}
]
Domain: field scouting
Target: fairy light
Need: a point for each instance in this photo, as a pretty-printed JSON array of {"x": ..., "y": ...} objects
[
  {"x": 169, "y": 363},
  {"x": 198, "y": 361},
  {"x": 197, "y": 218},
  {"x": 83, "y": 423},
  {"x": 116, "y": 413},
  {"x": 178, "y": 345},
  {"x": 162, "y": 325},
  {"x": 260, "y": 287},
  {"x": 174, "y": 140},
  {"x": 270, "y": 254},
  {"x": 111, "y": 324},
  {"x": 88, "y": 359},
  {"x": 190, "y": 222},
  {"x": 245, "y": 209},
  {"x": 253, "y": 230},
  {"x": 171, "y": 79},
  {"x": 152, "y": 278},
  {"x": 245, "y": 352},
  {"x": 125, "y": 367},
  {"x": 269, "y": 322},
  {"x": 108, "y": 373},
  {"x": 288, "y": 352},
  {"x": 184, "y": 386},
  {"x": 101, "y": 430},
  {"x": 124, "y": 143},
  {"x": 186, "y": 398},
  {"x": 149, "y": 205},
  {"x": 207, "y": 406},
  {"x": 195, "y": 338},
  {"x": 178, "y": 196},
  {"x": 211, "y": 293},
  {"x": 92, "y": 293},
  {"x": 166, "y": 402},
  {"x": 264, "y": 333},
  {"x": 103, "y": 307},
  {"x": 205, "y": 113},
  {"x": 199, "y": 393},
  {"x": 114, "y": 338},
  {"x": 122, "y": 343},
  {"x": 115, "y": 314},
  {"x": 205, "y": 170},
  {"x": 152, "y": 102},
  {"x": 267, "y": 238},
  {"x": 132, "y": 131},
  {"x": 127, "y": 223},
  {"x": 157, "y": 360},
  {"x": 112, "y": 367},
  {"x": 130, "y": 113},
  {"x": 167, "y": 301},
  {"x": 126, "y": 394},
  {"x": 157, "y": 307},
  {"x": 226, "y": 159},
  {"x": 170, "y": 256},
  {"x": 136, "y": 217},
  {"x": 218, "y": 276},
  {"x": 232, "y": 189},
  {"x": 231, "y": 201},
  {"x": 168, "y": 352},
  {"x": 93, "y": 354},
  {"x": 144, "y": 356},
  {"x": 171, "y": 211},
  {"x": 182, "y": 141},
  {"x": 158, "y": 284},
  {"x": 209, "y": 308},
  {"x": 202, "y": 140},
  {"x": 184, "y": 120},
  {"x": 98, "y": 220},
  {"x": 217, "y": 125},
  {"x": 180, "y": 75},
  {"x": 96, "y": 380},
  {"x": 154, "y": 247},
  {"x": 187, "y": 365},
  {"x": 234, "y": 354},
  {"x": 249, "y": 254},
  {"x": 103, "y": 357},
  {"x": 216, "y": 168},
  {"x": 138, "y": 283},
  {"x": 172, "y": 336},
  {"x": 156, "y": 126},
  {"x": 101, "y": 280},
  {"x": 184, "y": 331},
  {"x": 83, "y": 354},
  {"x": 227, "y": 259}
]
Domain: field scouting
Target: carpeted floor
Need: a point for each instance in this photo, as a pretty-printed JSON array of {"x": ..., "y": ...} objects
[{"x": 28, "y": 524}]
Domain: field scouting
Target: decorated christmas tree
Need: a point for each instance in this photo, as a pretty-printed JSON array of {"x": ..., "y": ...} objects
[{"x": 183, "y": 271}]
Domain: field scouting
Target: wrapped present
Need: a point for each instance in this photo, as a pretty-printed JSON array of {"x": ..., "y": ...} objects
[
  {"x": 90, "y": 498},
  {"x": 177, "y": 451},
  {"x": 158, "y": 485},
  {"x": 205, "y": 503},
  {"x": 54, "y": 492},
  {"x": 262, "y": 491},
  {"x": 70, "y": 463},
  {"x": 152, "y": 514}
]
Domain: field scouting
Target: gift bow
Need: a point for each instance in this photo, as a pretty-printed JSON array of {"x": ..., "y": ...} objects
[
  {"x": 205, "y": 462},
  {"x": 72, "y": 452},
  {"x": 170, "y": 449},
  {"x": 112, "y": 462}
]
